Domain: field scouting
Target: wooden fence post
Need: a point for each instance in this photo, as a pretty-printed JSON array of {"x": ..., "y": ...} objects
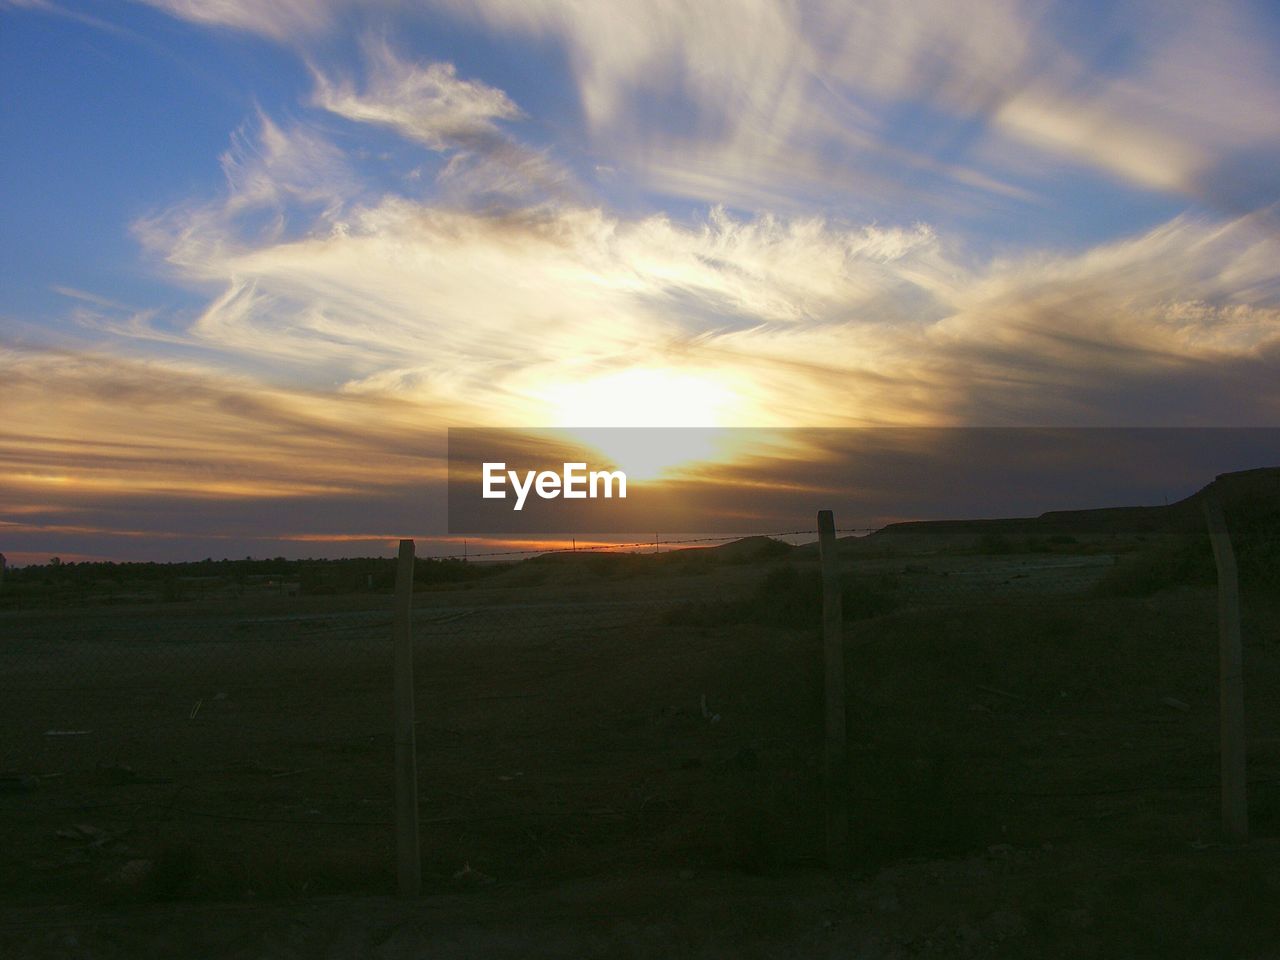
[
  {"x": 1235, "y": 807},
  {"x": 408, "y": 852},
  {"x": 836, "y": 747}
]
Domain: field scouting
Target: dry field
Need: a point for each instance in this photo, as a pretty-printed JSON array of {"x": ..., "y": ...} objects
[{"x": 620, "y": 757}]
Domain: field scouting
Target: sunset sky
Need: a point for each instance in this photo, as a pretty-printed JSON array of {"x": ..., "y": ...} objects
[{"x": 256, "y": 256}]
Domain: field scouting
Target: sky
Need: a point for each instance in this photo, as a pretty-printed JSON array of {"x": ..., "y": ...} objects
[{"x": 256, "y": 258}]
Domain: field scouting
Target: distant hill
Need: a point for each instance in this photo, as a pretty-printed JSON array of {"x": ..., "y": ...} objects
[
  {"x": 749, "y": 549},
  {"x": 1248, "y": 488},
  {"x": 1250, "y": 498}
]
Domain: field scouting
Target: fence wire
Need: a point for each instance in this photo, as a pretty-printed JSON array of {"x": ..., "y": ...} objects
[{"x": 234, "y": 739}]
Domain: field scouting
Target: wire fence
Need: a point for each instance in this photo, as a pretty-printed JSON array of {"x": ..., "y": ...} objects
[{"x": 576, "y": 712}]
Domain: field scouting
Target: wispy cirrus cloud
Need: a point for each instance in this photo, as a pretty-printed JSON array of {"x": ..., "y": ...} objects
[
  {"x": 280, "y": 181},
  {"x": 145, "y": 458},
  {"x": 347, "y": 318},
  {"x": 274, "y": 166},
  {"x": 95, "y": 433},
  {"x": 404, "y": 296},
  {"x": 878, "y": 88},
  {"x": 280, "y": 19},
  {"x": 463, "y": 318},
  {"x": 1167, "y": 117},
  {"x": 429, "y": 103},
  {"x": 726, "y": 101}
]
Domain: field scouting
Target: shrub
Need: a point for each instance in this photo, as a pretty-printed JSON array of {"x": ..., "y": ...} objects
[
  {"x": 1172, "y": 562},
  {"x": 789, "y": 596}
]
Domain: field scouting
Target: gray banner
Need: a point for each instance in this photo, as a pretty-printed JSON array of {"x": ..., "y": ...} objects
[{"x": 741, "y": 480}]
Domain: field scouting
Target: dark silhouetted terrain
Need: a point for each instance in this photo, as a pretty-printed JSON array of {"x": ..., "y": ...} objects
[{"x": 619, "y": 755}]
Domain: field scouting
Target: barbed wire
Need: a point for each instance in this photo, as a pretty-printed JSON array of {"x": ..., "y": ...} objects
[
  {"x": 252, "y": 721},
  {"x": 656, "y": 542}
]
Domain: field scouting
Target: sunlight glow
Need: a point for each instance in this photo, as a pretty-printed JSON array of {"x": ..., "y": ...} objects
[
  {"x": 591, "y": 410},
  {"x": 642, "y": 397}
]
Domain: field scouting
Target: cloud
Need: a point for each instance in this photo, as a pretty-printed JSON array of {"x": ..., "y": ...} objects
[
  {"x": 333, "y": 354},
  {"x": 280, "y": 165},
  {"x": 87, "y": 297},
  {"x": 389, "y": 293},
  {"x": 159, "y": 460},
  {"x": 799, "y": 320},
  {"x": 121, "y": 457},
  {"x": 1177, "y": 326},
  {"x": 767, "y": 104},
  {"x": 349, "y": 316},
  {"x": 50, "y": 8},
  {"x": 1170, "y": 114},
  {"x": 125, "y": 448},
  {"x": 282, "y": 20},
  {"x": 815, "y": 95},
  {"x": 1180, "y": 325},
  {"x": 281, "y": 181},
  {"x": 428, "y": 103}
]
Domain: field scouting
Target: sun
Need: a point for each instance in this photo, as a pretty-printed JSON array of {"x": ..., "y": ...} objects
[
  {"x": 592, "y": 410},
  {"x": 642, "y": 397}
]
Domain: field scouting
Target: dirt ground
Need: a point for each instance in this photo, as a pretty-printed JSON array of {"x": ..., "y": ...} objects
[
  {"x": 604, "y": 773},
  {"x": 1066, "y": 901}
]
